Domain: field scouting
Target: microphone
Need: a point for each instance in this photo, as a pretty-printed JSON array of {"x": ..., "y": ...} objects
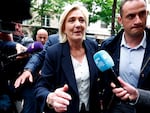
[
  {"x": 34, "y": 47},
  {"x": 104, "y": 62}
]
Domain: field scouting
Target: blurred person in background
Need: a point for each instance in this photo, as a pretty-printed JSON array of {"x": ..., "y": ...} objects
[
  {"x": 18, "y": 34},
  {"x": 42, "y": 36},
  {"x": 8, "y": 18},
  {"x": 35, "y": 63},
  {"x": 7, "y": 71}
]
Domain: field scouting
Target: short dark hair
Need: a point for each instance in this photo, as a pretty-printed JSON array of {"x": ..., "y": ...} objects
[{"x": 122, "y": 4}]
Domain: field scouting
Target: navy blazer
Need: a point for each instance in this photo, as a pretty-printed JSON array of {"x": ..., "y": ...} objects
[
  {"x": 58, "y": 70},
  {"x": 112, "y": 46}
]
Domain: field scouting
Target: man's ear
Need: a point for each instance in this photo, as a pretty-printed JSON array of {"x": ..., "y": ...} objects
[
  {"x": 119, "y": 20},
  {"x": 147, "y": 12}
]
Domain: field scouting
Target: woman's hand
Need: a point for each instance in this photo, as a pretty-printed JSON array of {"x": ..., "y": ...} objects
[{"x": 59, "y": 99}]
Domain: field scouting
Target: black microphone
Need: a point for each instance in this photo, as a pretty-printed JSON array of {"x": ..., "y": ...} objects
[
  {"x": 34, "y": 47},
  {"x": 104, "y": 62}
]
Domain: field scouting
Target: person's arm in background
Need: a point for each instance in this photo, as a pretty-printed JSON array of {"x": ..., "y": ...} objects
[
  {"x": 144, "y": 97},
  {"x": 128, "y": 92},
  {"x": 35, "y": 62}
]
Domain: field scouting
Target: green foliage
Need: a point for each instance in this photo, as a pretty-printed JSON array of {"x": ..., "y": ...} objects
[
  {"x": 99, "y": 9},
  {"x": 46, "y": 7}
]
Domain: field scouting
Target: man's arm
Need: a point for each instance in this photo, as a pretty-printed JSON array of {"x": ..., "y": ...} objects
[
  {"x": 35, "y": 62},
  {"x": 129, "y": 93},
  {"x": 144, "y": 97}
]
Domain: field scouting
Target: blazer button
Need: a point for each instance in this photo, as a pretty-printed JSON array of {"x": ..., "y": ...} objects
[
  {"x": 142, "y": 75},
  {"x": 98, "y": 79}
]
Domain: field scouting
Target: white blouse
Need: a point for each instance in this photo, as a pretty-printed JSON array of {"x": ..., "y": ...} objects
[{"x": 82, "y": 76}]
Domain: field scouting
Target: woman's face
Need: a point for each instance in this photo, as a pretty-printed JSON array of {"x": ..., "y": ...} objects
[{"x": 75, "y": 25}]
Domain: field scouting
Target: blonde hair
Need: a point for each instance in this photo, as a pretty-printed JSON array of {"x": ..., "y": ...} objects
[{"x": 68, "y": 9}]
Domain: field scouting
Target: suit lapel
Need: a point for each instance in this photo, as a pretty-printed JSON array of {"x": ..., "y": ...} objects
[
  {"x": 89, "y": 53},
  {"x": 68, "y": 67}
]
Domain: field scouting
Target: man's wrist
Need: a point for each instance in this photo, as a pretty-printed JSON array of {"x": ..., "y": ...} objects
[{"x": 134, "y": 101}]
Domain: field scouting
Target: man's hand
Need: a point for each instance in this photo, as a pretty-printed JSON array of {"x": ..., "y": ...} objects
[
  {"x": 23, "y": 77},
  {"x": 20, "y": 48},
  {"x": 126, "y": 92}
]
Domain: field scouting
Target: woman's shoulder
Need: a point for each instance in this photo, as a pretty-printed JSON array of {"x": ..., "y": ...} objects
[
  {"x": 91, "y": 41},
  {"x": 54, "y": 47}
]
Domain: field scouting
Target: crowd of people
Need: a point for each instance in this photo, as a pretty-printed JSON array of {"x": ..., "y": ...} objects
[
  {"x": 22, "y": 98},
  {"x": 63, "y": 77}
]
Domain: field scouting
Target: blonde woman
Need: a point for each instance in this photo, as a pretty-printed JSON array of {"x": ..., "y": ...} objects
[{"x": 68, "y": 76}]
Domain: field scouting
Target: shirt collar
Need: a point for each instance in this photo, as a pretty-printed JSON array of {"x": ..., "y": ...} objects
[{"x": 142, "y": 44}]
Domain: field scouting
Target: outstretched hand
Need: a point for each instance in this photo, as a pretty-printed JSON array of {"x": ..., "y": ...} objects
[
  {"x": 26, "y": 75},
  {"x": 59, "y": 99}
]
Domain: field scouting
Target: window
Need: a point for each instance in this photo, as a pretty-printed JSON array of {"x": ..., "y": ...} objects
[
  {"x": 103, "y": 24},
  {"x": 46, "y": 20}
]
